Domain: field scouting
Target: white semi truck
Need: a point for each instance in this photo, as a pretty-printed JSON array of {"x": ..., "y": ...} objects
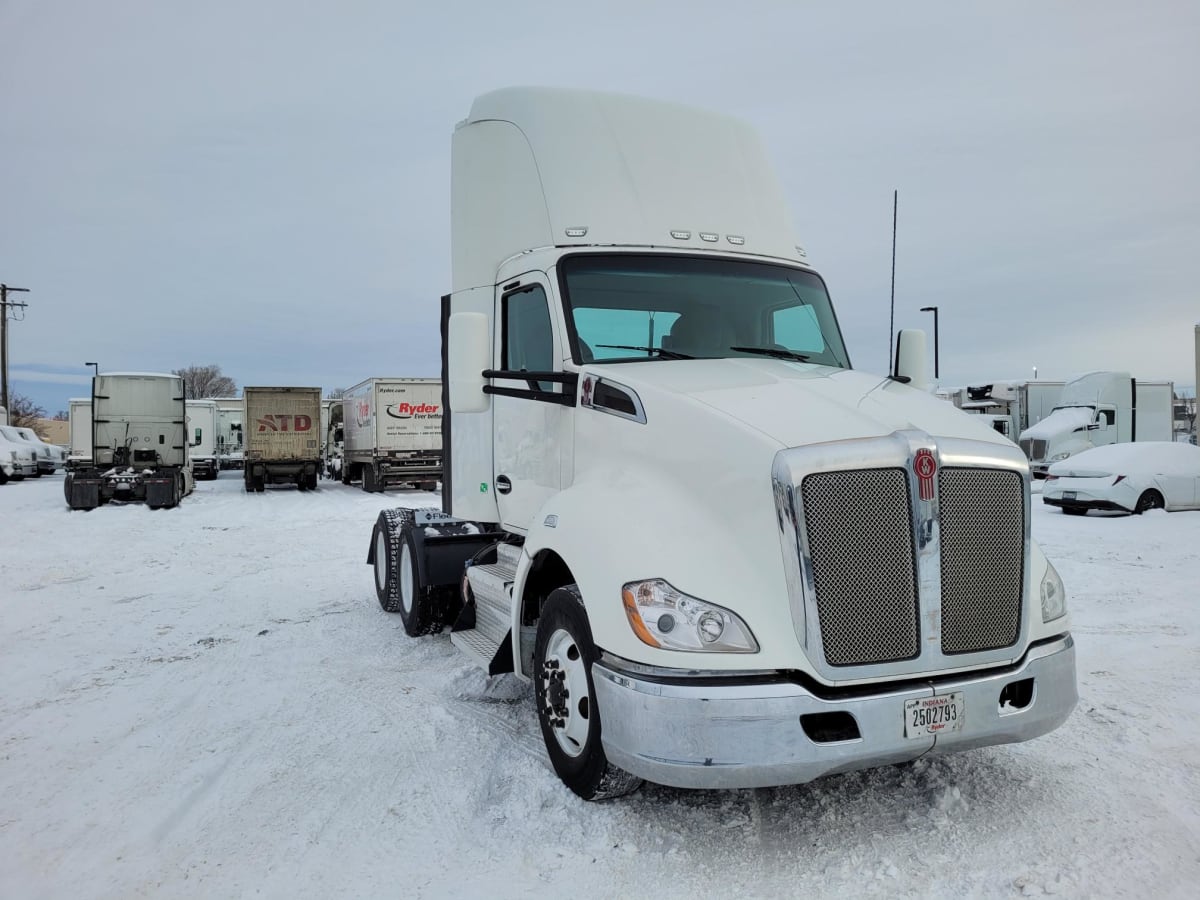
[
  {"x": 393, "y": 433},
  {"x": 283, "y": 441},
  {"x": 1012, "y": 406},
  {"x": 724, "y": 557},
  {"x": 202, "y": 438},
  {"x": 231, "y": 411},
  {"x": 1097, "y": 409},
  {"x": 139, "y": 448}
]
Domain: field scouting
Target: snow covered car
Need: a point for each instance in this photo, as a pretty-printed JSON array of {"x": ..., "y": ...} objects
[
  {"x": 20, "y": 454},
  {"x": 8, "y": 468},
  {"x": 50, "y": 457},
  {"x": 1127, "y": 478}
]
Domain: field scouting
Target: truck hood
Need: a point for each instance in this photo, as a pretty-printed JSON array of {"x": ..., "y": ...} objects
[{"x": 795, "y": 403}]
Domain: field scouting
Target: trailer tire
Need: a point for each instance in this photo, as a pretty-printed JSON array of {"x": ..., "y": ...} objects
[
  {"x": 368, "y": 479},
  {"x": 565, "y": 698}
]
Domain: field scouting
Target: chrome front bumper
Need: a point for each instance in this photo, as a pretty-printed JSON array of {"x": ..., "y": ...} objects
[{"x": 705, "y": 734}]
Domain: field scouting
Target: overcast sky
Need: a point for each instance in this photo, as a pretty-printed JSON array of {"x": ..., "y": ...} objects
[{"x": 265, "y": 185}]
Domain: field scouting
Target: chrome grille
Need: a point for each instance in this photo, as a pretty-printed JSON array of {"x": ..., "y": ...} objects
[
  {"x": 983, "y": 558},
  {"x": 860, "y": 543},
  {"x": 1034, "y": 448}
]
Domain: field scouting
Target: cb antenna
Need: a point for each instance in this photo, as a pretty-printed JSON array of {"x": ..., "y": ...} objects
[{"x": 892, "y": 324}]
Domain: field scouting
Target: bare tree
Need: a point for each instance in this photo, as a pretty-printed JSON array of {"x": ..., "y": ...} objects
[
  {"x": 23, "y": 412},
  {"x": 205, "y": 381},
  {"x": 335, "y": 394},
  {"x": 62, "y": 416}
]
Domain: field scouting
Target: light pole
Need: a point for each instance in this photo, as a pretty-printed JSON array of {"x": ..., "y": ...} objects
[
  {"x": 934, "y": 310},
  {"x": 95, "y": 366},
  {"x": 5, "y": 303}
]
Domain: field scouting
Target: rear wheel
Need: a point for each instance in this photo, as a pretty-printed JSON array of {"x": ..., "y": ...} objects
[
  {"x": 565, "y": 696},
  {"x": 1149, "y": 500}
]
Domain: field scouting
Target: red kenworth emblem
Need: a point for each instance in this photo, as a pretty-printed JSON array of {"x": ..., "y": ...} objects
[{"x": 926, "y": 467}]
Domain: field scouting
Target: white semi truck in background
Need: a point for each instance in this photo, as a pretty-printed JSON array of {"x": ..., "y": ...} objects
[
  {"x": 231, "y": 412},
  {"x": 202, "y": 438},
  {"x": 334, "y": 440},
  {"x": 723, "y": 557},
  {"x": 79, "y": 422},
  {"x": 139, "y": 447},
  {"x": 393, "y": 433},
  {"x": 1097, "y": 409},
  {"x": 1012, "y": 406},
  {"x": 283, "y": 439}
]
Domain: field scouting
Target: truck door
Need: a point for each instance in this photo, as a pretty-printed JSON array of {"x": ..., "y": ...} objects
[{"x": 530, "y": 420}]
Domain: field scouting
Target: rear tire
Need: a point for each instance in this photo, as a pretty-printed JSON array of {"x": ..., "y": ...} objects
[
  {"x": 1149, "y": 500},
  {"x": 397, "y": 579},
  {"x": 565, "y": 698}
]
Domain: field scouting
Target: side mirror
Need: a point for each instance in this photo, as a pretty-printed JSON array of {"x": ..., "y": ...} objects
[
  {"x": 911, "y": 359},
  {"x": 469, "y": 346}
]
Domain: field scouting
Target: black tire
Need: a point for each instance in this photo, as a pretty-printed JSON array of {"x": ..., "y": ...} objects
[
  {"x": 397, "y": 579},
  {"x": 1074, "y": 511},
  {"x": 346, "y": 472},
  {"x": 563, "y": 654},
  {"x": 368, "y": 479},
  {"x": 1149, "y": 500}
]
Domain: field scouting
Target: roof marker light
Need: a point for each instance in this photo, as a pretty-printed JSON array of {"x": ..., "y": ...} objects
[
  {"x": 709, "y": 236},
  {"x": 577, "y": 231},
  {"x": 681, "y": 235},
  {"x": 801, "y": 252},
  {"x": 735, "y": 239}
]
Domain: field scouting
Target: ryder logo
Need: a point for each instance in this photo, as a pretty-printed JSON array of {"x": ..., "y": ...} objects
[
  {"x": 926, "y": 467},
  {"x": 284, "y": 423},
  {"x": 410, "y": 410}
]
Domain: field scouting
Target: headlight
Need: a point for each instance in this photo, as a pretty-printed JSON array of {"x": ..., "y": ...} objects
[
  {"x": 1057, "y": 456},
  {"x": 664, "y": 617},
  {"x": 1054, "y": 595}
]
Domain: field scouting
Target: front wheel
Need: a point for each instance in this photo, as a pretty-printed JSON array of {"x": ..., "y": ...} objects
[
  {"x": 565, "y": 696},
  {"x": 1149, "y": 500}
]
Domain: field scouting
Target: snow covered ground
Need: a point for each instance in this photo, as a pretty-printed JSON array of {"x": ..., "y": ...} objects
[{"x": 209, "y": 702}]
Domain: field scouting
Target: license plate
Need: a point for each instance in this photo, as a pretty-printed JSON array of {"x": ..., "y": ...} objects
[
  {"x": 1068, "y": 495},
  {"x": 930, "y": 716}
]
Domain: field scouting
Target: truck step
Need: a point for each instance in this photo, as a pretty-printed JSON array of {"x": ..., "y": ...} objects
[
  {"x": 508, "y": 555},
  {"x": 476, "y": 645},
  {"x": 491, "y": 586}
]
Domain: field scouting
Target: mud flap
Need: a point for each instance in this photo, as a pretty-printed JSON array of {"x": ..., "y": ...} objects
[
  {"x": 84, "y": 493},
  {"x": 160, "y": 492}
]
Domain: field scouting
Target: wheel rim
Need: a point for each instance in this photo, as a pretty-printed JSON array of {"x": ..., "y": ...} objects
[
  {"x": 381, "y": 549},
  {"x": 406, "y": 580},
  {"x": 567, "y": 706}
]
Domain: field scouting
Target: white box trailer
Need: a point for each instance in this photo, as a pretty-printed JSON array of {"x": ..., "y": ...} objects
[
  {"x": 283, "y": 441},
  {"x": 79, "y": 418},
  {"x": 202, "y": 438},
  {"x": 393, "y": 433},
  {"x": 139, "y": 449},
  {"x": 231, "y": 413}
]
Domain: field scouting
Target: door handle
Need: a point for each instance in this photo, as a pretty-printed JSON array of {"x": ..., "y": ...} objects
[{"x": 503, "y": 485}]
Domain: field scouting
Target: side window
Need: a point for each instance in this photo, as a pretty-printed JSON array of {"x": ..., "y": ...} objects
[
  {"x": 527, "y": 342},
  {"x": 797, "y": 328},
  {"x": 1107, "y": 417}
]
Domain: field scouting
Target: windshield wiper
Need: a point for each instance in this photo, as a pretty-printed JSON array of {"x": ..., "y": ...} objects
[
  {"x": 777, "y": 352},
  {"x": 665, "y": 354}
]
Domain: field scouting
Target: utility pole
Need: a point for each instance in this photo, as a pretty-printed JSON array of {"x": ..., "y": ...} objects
[{"x": 5, "y": 303}]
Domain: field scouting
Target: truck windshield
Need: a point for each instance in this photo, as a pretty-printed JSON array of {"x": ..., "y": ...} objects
[{"x": 626, "y": 307}]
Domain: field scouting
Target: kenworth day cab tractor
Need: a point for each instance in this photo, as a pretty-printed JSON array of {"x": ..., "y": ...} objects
[{"x": 724, "y": 557}]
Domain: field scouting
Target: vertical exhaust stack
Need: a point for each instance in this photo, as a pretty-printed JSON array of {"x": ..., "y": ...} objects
[{"x": 1196, "y": 388}]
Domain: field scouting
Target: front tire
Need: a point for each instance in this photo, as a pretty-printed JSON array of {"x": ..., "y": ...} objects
[
  {"x": 1149, "y": 500},
  {"x": 565, "y": 697}
]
